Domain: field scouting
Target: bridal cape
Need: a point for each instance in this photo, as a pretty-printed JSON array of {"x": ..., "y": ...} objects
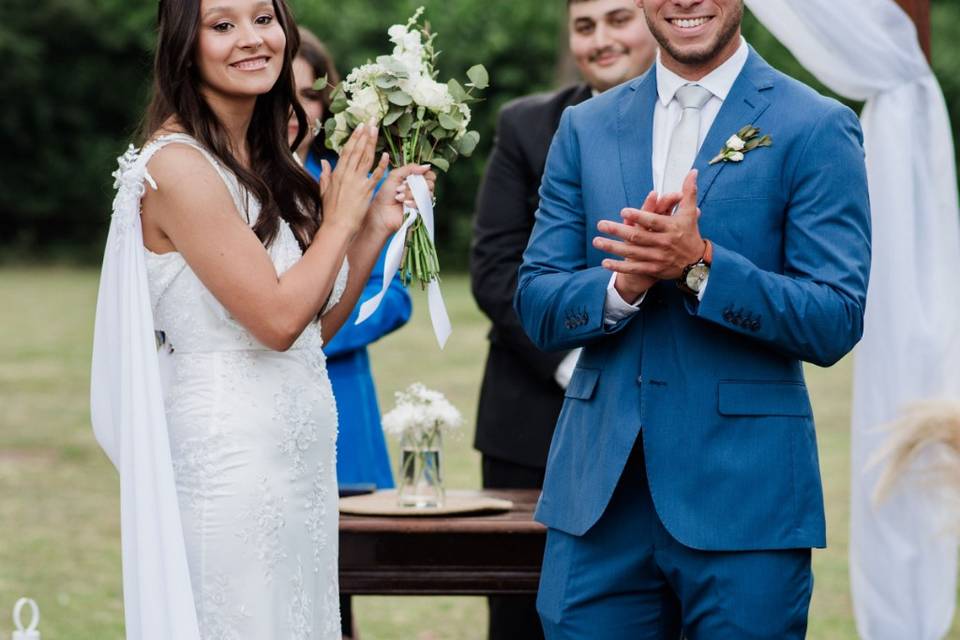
[{"x": 129, "y": 421}]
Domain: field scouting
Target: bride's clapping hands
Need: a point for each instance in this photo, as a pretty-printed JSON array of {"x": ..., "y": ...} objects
[
  {"x": 386, "y": 210},
  {"x": 346, "y": 191}
]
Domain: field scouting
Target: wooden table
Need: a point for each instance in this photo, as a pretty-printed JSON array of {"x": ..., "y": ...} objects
[{"x": 444, "y": 555}]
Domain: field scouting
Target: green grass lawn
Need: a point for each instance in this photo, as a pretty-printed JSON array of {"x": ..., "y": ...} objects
[{"x": 59, "y": 530}]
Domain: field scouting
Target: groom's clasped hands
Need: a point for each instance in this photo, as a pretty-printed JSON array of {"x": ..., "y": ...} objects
[{"x": 654, "y": 244}]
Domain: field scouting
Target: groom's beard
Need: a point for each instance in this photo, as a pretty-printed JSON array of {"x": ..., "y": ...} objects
[{"x": 728, "y": 30}]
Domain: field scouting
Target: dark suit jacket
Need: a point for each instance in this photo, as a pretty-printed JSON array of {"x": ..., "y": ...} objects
[{"x": 519, "y": 398}]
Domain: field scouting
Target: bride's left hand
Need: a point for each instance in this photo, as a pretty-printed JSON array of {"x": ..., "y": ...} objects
[{"x": 386, "y": 209}]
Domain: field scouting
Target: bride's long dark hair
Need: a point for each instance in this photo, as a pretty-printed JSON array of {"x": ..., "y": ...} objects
[{"x": 282, "y": 187}]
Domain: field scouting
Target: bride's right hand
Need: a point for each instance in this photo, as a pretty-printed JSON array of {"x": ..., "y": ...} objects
[{"x": 346, "y": 191}]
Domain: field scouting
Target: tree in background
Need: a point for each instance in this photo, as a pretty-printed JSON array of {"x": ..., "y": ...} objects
[{"x": 74, "y": 84}]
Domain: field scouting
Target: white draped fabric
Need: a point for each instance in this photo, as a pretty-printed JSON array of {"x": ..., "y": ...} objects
[
  {"x": 902, "y": 564},
  {"x": 129, "y": 421}
]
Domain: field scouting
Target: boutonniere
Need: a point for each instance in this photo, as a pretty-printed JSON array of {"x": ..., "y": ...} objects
[{"x": 740, "y": 143}]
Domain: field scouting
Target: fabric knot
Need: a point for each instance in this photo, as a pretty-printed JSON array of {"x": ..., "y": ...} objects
[{"x": 693, "y": 96}]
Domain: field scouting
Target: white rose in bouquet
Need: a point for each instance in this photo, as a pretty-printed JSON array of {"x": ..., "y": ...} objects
[
  {"x": 363, "y": 76},
  {"x": 367, "y": 105},
  {"x": 429, "y": 93}
]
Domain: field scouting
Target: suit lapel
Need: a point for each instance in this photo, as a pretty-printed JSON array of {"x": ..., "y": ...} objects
[
  {"x": 582, "y": 94},
  {"x": 744, "y": 105},
  {"x": 635, "y": 138}
]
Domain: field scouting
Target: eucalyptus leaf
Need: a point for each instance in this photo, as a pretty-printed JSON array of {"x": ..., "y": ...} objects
[
  {"x": 450, "y": 153},
  {"x": 478, "y": 76},
  {"x": 399, "y": 98},
  {"x": 440, "y": 163},
  {"x": 386, "y": 82},
  {"x": 405, "y": 123},
  {"x": 392, "y": 117},
  {"x": 338, "y": 101},
  {"x": 457, "y": 91},
  {"x": 468, "y": 143},
  {"x": 448, "y": 122},
  {"x": 321, "y": 83}
]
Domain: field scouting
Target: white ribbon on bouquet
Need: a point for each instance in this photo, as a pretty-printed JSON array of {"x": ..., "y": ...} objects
[{"x": 424, "y": 209}]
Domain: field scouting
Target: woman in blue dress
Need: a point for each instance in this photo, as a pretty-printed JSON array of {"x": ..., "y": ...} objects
[{"x": 362, "y": 459}]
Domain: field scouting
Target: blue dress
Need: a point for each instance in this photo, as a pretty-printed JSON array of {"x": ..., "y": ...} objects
[{"x": 361, "y": 448}]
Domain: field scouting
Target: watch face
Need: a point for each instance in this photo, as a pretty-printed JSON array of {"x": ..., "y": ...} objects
[{"x": 696, "y": 276}]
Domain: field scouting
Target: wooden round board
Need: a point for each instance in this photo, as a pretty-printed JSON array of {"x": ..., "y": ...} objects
[{"x": 384, "y": 503}]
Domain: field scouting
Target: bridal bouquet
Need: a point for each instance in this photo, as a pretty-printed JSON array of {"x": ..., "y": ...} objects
[{"x": 421, "y": 121}]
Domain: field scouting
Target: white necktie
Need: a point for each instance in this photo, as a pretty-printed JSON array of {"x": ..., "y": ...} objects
[{"x": 685, "y": 141}]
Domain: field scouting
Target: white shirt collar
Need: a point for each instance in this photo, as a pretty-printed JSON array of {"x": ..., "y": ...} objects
[{"x": 718, "y": 82}]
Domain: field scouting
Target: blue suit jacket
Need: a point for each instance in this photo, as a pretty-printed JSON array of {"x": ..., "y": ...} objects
[{"x": 717, "y": 386}]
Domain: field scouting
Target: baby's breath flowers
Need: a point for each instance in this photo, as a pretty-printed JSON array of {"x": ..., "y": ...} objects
[{"x": 421, "y": 412}]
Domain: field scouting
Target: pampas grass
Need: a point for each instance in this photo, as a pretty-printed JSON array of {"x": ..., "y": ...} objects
[{"x": 929, "y": 432}]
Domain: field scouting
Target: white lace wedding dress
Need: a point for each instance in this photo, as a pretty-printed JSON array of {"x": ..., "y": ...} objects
[{"x": 253, "y": 443}]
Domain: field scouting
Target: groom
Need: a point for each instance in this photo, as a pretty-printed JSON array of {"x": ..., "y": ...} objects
[{"x": 682, "y": 491}]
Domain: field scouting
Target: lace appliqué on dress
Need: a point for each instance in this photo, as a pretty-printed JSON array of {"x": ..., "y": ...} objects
[
  {"x": 300, "y": 612},
  {"x": 266, "y": 520},
  {"x": 220, "y": 618},
  {"x": 195, "y": 466},
  {"x": 339, "y": 286},
  {"x": 129, "y": 180},
  {"x": 316, "y": 506},
  {"x": 294, "y": 410}
]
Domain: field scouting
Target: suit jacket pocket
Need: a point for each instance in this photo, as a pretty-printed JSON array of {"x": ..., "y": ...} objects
[
  {"x": 582, "y": 383},
  {"x": 762, "y": 398}
]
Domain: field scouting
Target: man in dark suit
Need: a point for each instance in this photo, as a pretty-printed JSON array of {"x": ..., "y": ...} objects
[{"x": 522, "y": 387}]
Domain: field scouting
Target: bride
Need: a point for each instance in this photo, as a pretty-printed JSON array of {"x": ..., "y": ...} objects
[{"x": 221, "y": 280}]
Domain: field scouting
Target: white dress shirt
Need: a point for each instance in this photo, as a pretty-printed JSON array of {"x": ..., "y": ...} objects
[{"x": 666, "y": 115}]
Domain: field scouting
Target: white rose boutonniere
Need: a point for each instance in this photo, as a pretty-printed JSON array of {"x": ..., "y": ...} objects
[{"x": 741, "y": 143}]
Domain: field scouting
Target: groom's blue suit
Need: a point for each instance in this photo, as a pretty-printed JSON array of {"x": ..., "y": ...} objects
[{"x": 716, "y": 386}]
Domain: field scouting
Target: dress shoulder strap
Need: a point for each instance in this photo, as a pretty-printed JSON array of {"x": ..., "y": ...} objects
[{"x": 132, "y": 177}]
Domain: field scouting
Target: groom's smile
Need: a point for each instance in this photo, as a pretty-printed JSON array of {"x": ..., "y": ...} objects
[{"x": 690, "y": 26}]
